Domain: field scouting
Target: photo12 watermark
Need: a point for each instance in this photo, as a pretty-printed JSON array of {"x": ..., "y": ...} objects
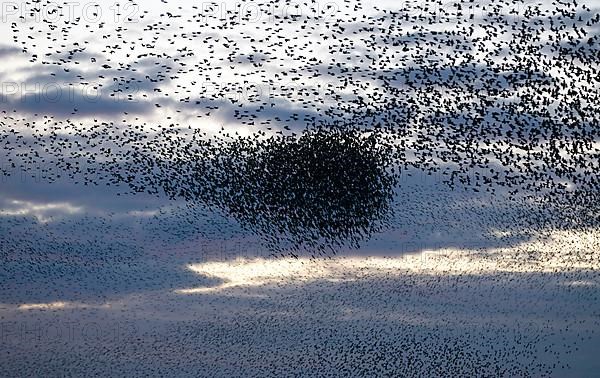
[
  {"x": 90, "y": 12},
  {"x": 15, "y": 332}
]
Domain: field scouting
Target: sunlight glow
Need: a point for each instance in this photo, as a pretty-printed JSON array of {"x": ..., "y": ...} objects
[
  {"x": 44, "y": 213},
  {"x": 534, "y": 256},
  {"x": 59, "y": 305}
]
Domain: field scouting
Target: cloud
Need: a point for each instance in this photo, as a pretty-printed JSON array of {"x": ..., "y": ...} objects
[
  {"x": 43, "y": 212},
  {"x": 6, "y": 51}
]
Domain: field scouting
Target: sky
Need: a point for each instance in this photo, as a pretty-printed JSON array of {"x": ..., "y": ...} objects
[{"x": 97, "y": 97}]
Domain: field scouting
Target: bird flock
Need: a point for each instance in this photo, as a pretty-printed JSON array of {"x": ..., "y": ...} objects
[
  {"x": 493, "y": 95},
  {"x": 311, "y": 130}
]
